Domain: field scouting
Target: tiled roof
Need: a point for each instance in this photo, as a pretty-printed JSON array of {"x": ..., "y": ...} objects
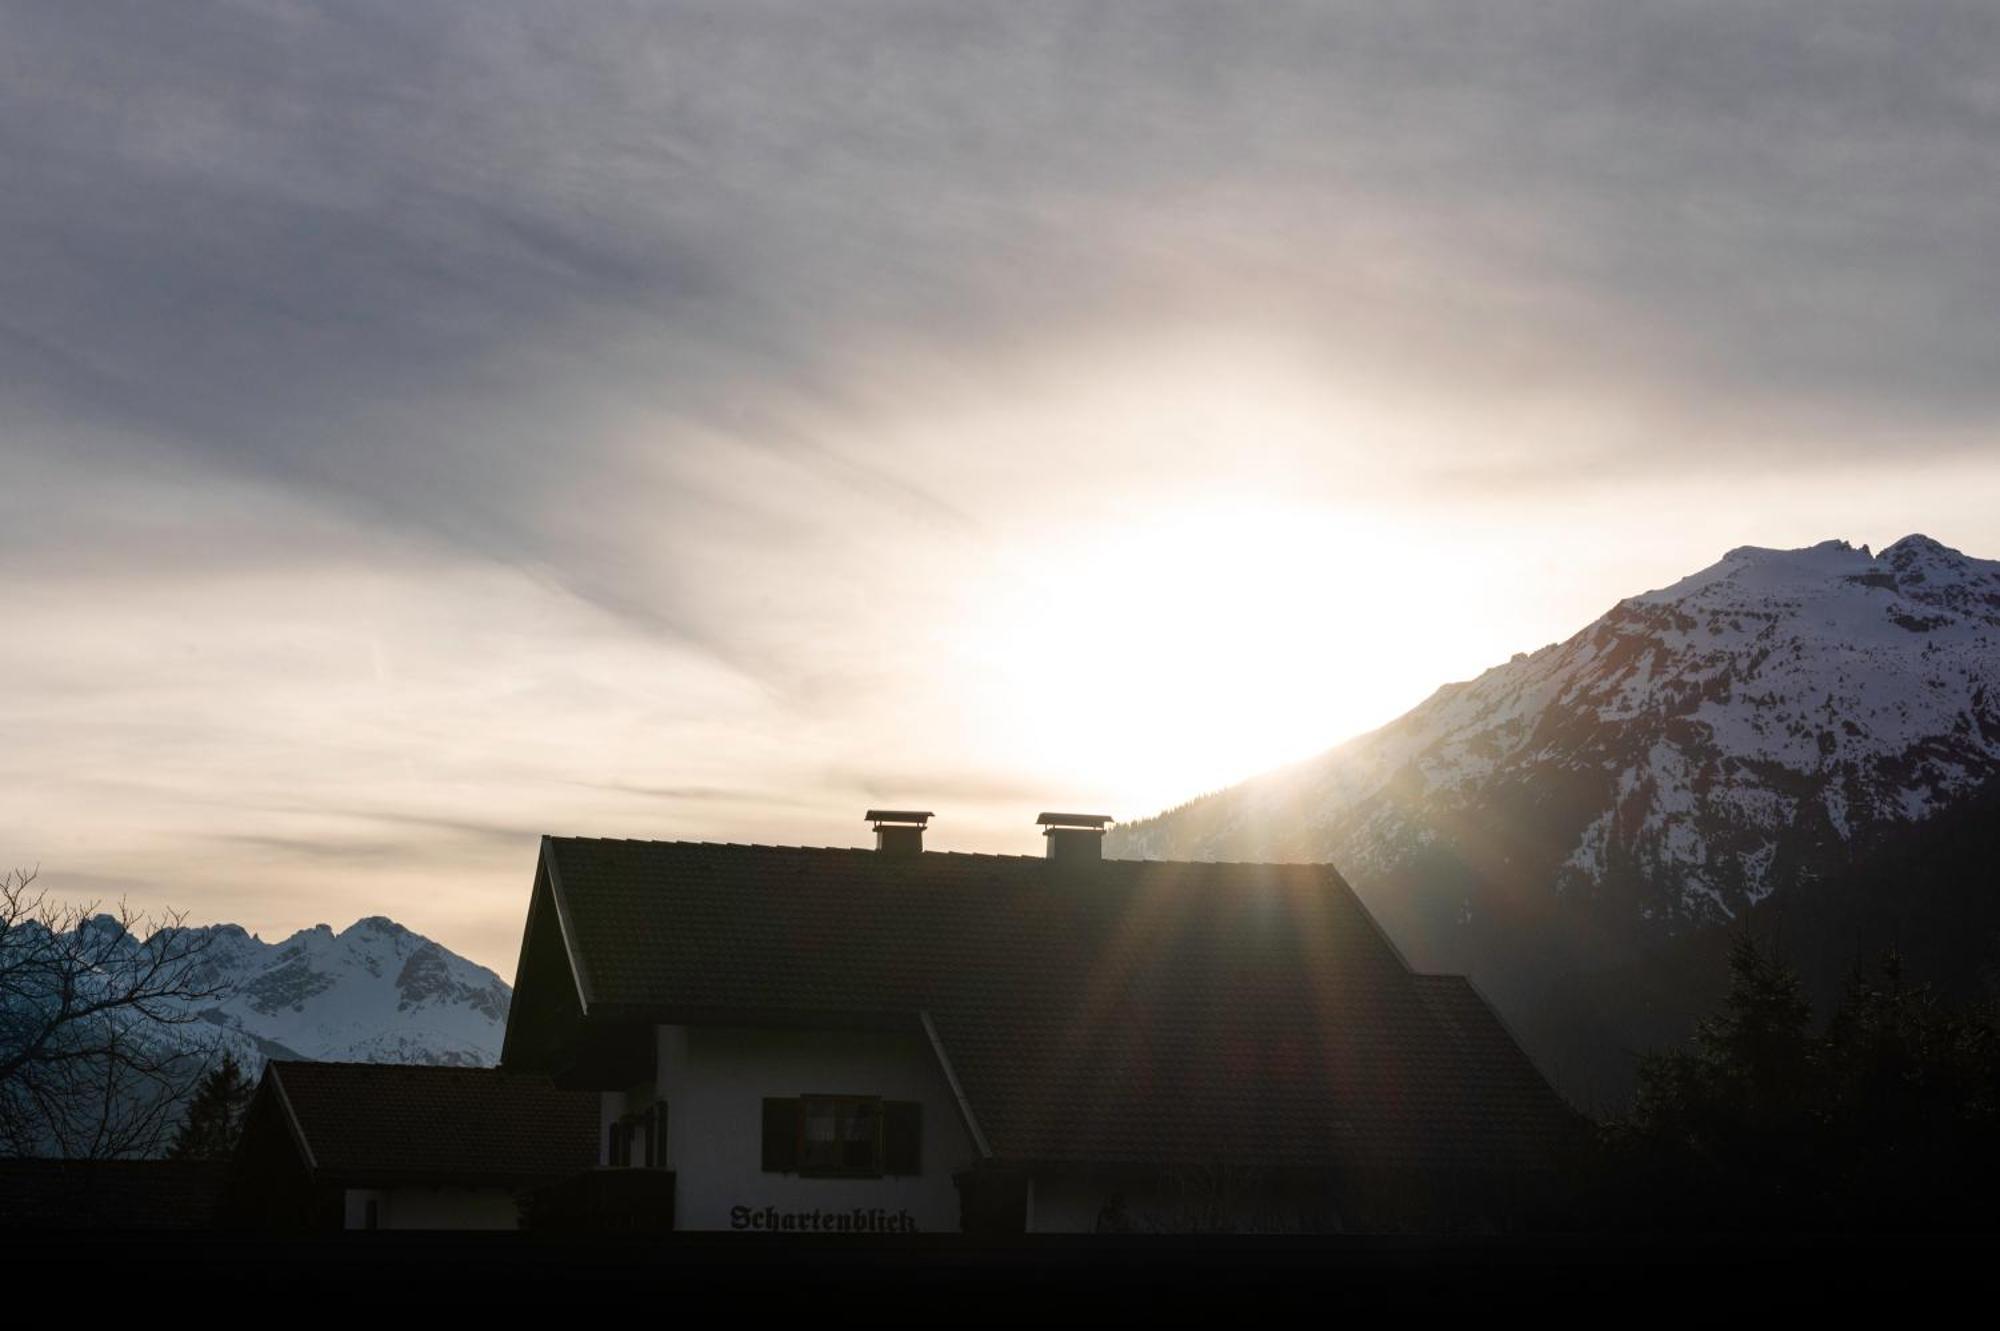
[
  {"x": 109, "y": 1194},
  {"x": 1123, "y": 1011},
  {"x": 1497, "y": 1081},
  {"x": 418, "y": 1123}
]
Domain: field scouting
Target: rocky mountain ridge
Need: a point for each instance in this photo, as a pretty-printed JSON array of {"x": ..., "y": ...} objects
[{"x": 1710, "y": 740}]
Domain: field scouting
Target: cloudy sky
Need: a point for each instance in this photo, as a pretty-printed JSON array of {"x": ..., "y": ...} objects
[{"x": 423, "y": 426}]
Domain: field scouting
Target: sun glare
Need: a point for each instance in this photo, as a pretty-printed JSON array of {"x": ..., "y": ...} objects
[{"x": 1156, "y": 660}]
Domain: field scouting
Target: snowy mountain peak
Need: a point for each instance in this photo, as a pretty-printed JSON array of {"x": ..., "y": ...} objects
[
  {"x": 1916, "y": 575},
  {"x": 1695, "y": 748},
  {"x": 1825, "y": 553},
  {"x": 373, "y": 992},
  {"x": 1918, "y": 545}
]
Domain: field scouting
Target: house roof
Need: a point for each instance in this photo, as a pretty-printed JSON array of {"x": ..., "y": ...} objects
[
  {"x": 1139, "y": 1012},
  {"x": 416, "y": 1123},
  {"x": 1496, "y": 1081}
]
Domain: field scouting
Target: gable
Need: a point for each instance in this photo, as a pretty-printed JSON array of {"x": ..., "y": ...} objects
[{"x": 546, "y": 1011}]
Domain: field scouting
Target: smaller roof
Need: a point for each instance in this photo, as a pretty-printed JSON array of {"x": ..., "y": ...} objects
[
  {"x": 401, "y": 1122},
  {"x": 1098, "y": 820}
]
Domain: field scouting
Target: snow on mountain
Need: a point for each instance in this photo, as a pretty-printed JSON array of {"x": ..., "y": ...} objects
[
  {"x": 1698, "y": 746},
  {"x": 374, "y": 992}
]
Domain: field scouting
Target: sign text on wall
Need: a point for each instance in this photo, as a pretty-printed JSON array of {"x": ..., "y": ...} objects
[{"x": 856, "y": 1220}]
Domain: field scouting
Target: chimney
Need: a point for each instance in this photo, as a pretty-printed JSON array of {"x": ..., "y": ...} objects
[
  {"x": 899, "y": 833},
  {"x": 1074, "y": 838}
]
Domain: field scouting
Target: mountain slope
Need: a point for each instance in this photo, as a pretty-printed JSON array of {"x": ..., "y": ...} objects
[
  {"x": 1927, "y": 891},
  {"x": 1747, "y": 730}
]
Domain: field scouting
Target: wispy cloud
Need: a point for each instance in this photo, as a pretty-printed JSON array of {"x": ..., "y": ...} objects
[{"x": 362, "y": 366}]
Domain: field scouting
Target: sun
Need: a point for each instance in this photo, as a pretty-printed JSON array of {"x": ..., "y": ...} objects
[{"x": 1150, "y": 660}]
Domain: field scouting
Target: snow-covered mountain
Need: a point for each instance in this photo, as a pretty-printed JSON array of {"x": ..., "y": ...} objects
[
  {"x": 1705, "y": 737},
  {"x": 374, "y": 992},
  {"x": 170, "y": 1005},
  {"x": 1747, "y": 730}
]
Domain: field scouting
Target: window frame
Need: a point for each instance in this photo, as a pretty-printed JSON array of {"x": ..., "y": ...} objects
[
  {"x": 899, "y": 1138},
  {"x": 801, "y": 1160}
]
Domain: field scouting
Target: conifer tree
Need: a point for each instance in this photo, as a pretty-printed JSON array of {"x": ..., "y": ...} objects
[
  {"x": 1888, "y": 1119},
  {"x": 215, "y": 1114},
  {"x": 1722, "y": 1133}
]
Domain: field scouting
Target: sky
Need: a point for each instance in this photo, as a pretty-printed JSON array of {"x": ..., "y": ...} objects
[{"x": 426, "y": 426}]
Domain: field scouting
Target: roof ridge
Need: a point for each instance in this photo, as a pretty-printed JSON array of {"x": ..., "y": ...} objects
[{"x": 1324, "y": 865}]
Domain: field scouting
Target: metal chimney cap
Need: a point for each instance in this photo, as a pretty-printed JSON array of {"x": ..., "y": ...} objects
[
  {"x": 1096, "y": 820},
  {"x": 881, "y": 816}
]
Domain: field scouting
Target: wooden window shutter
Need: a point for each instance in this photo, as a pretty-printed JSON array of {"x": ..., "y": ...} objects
[
  {"x": 781, "y": 1135},
  {"x": 902, "y": 1137}
]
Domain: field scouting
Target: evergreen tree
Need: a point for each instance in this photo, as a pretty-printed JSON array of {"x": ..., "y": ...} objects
[
  {"x": 215, "y": 1114},
  {"x": 1889, "y": 1119},
  {"x": 1721, "y": 1134},
  {"x": 1911, "y": 1103}
]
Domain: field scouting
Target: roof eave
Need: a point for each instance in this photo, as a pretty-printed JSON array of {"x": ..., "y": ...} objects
[
  {"x": 277, "y": 1086},
  {"x": 546, "y": 910},
  {"x": 565, "y": 927},
  {"x": 965, "y": 1111}
]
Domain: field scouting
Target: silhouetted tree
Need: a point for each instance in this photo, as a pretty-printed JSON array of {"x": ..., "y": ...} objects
[
  {"x": 1721, "y": 1128},
  {"x": 1910, "y": 1095},
  {"x": 89, "y": 1062},
  {"x": 215, "y": 1113},
  {"x": 1888, "y": 1119}
]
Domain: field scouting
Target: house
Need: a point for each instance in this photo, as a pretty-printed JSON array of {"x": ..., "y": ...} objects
[
  {"x": 330, "y": 1146},
  {"x": 897, "y": 1040}
]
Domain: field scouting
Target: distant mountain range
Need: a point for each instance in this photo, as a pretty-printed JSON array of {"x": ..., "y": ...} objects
[
  {"x": 374, "y": 992},
  {"x": 1711, "y": 749}
]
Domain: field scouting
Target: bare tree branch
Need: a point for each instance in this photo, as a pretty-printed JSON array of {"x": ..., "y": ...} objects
[{"x": 90, "y": 1062}]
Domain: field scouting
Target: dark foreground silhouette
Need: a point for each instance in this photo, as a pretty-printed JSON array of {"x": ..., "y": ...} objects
[
  {"x": 1771, "y": 1161},
  {"x": 1051, "y": 1280}
]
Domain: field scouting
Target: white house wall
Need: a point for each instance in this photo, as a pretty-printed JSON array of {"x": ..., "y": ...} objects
[{"x": 715, "y": 1081}]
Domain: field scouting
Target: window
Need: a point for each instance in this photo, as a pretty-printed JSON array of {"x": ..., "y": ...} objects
[{"x": 842, "y": 1136}]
